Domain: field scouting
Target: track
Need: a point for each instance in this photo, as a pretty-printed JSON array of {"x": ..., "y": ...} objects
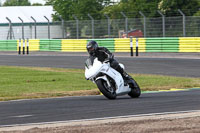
[
  {"x": 89, "y": 107},
  {"x": 163, "y": 66}
]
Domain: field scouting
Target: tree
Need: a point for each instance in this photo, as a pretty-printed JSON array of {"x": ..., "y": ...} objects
[
  {"x": 37, "y": 4},
  {"x": 17, "y": 3},
  {"x": 170, "y": 7},
  {"x": 80, "y": 8},
  {"x": 132, "y": 7}
]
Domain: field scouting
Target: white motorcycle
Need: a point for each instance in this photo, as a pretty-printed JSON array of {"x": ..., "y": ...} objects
[{"x": 109, "y": 81}]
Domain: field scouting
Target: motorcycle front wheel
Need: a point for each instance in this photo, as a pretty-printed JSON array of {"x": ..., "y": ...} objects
[{"x": 108, "y": 92}]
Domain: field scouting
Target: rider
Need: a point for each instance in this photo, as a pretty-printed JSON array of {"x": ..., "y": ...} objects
[{"x": 104, "y": 54}]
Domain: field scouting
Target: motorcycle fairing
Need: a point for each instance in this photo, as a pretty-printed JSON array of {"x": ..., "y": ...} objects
[{"x": 98, "y": 67}]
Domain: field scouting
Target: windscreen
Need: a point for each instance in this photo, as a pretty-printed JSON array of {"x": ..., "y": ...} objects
[{"x": 88, "y": 63}]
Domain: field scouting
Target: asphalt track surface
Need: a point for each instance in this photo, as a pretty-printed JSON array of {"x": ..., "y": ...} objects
[
  {"x": 89, "y": 107},
  {"x": 183, "y": 67}
]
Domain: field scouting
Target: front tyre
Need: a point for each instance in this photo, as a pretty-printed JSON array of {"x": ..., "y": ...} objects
[
  {"x": 108, "y": 92},
  {"x": 135, "y": 89}
]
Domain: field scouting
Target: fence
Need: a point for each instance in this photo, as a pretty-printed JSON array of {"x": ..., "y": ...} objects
[
  {"x": 179, "y": 26},
  {"x": 162, "y": 44}
]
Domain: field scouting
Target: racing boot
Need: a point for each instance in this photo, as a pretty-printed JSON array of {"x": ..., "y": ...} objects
[{"x": 127, "y": 76}]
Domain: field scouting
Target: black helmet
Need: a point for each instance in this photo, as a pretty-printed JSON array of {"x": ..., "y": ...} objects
[{"x": 92, "y": 47}]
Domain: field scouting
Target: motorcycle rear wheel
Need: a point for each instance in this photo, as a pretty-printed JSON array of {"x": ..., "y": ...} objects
[
  {"x": 107, "y": 92},
  {"x": 135, "y": 89}
]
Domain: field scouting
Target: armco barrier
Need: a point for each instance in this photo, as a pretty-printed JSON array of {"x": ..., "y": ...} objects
[
  {"x": 162, "y": 44},
  {"x": 8, "y": 45},
  {"x": 165, "y": 44},
  {"x": 74, "y": 45},
  {"x": 34, "y": 45},
  {"x": 50, "y": 45},
  {"x": 189, "y": 44},
  {"x": 122, "y": 45},
  {"x": 141, "y": 45}
]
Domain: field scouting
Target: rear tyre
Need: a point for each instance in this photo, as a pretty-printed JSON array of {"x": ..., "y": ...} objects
[
  {"x": 108, "y": 92},
  {"x": 135, "y": 89}
]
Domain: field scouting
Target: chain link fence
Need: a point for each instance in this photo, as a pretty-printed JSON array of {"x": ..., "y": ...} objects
[{"x": 179, "y": 26}]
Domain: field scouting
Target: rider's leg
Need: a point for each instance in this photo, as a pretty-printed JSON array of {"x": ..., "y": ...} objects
[
  {"x": 123, "y": 73},
  {"x": 114, "y": 64}
]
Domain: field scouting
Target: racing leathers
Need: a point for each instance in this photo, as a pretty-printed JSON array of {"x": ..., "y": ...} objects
[{"x": 104, "y": 54}]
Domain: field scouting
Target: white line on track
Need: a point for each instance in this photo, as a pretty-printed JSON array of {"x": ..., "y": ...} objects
[
  {"x": 103, "y": 118},
  {"x": 21, "y": 116}
]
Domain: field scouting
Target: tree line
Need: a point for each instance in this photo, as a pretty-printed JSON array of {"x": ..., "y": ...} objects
[
  {"x": 67, "y": 9},
  {"x": 19, "y": 3},
  {"x": 98, "y": 8}
]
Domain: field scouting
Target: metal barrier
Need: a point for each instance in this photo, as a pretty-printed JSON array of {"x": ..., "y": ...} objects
[{"x": 134, "y": 45}]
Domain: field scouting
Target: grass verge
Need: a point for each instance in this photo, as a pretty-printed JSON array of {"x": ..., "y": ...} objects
[{"x": 37, "y": 82}]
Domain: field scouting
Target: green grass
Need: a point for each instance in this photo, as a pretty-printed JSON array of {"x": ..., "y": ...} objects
[{"x": 32, "y": 82}]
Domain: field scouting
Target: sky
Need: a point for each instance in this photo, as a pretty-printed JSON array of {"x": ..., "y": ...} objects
[{"x": 32, "y": 1}]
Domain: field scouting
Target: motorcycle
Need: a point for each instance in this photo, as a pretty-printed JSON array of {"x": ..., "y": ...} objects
[{"x": 109, "y": 81}]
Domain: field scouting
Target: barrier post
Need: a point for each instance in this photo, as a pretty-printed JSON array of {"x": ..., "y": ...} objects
[
  {"x": 131, "y": 45},
  {"x": 27, "y": 46},
  {"x": 136, "y": 46},
  {"x": 23, "y": 46},
  {"x": 19, "y": 52}
]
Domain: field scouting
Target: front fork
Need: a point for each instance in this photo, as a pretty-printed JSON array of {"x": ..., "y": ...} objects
[{"x": 105, "y": 78}]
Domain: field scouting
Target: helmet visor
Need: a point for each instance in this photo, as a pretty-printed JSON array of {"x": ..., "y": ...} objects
[{"x": 91, "y": 49}]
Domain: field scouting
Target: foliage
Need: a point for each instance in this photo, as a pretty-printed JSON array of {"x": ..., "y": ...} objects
[
  {"x": 97, "y": 8},
  {"x": 132, "y": 7},
  {"x": 37, "y": 4},
  {"x": 67, "y": 8},
  {"x": 17, "y": 3},
  {"x": 170, "y": 7}
]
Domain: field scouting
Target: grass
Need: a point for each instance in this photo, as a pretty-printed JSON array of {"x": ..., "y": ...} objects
[{"x": 34, "y": 82}]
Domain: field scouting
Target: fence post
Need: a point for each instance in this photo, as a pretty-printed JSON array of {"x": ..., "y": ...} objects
[
  {"x": 126, "y": 23},
  {"x": 10, "y": 28},
  {"x": 35, "y": 26},
  {"x": 183, "y": 21},
  {"x": 131, "y": 45},
  {"x": 144, "y": 23},
  {"x": 48, "y": 27},
  {"x": 92, "y": 19},
  {"x": 22, "y": 27},
  {"x": 108, "y": 18},
  {"x": 77, "y": 26},
  {"x": 163, "y": 22},
  {"x": 63, "y": 27}
]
